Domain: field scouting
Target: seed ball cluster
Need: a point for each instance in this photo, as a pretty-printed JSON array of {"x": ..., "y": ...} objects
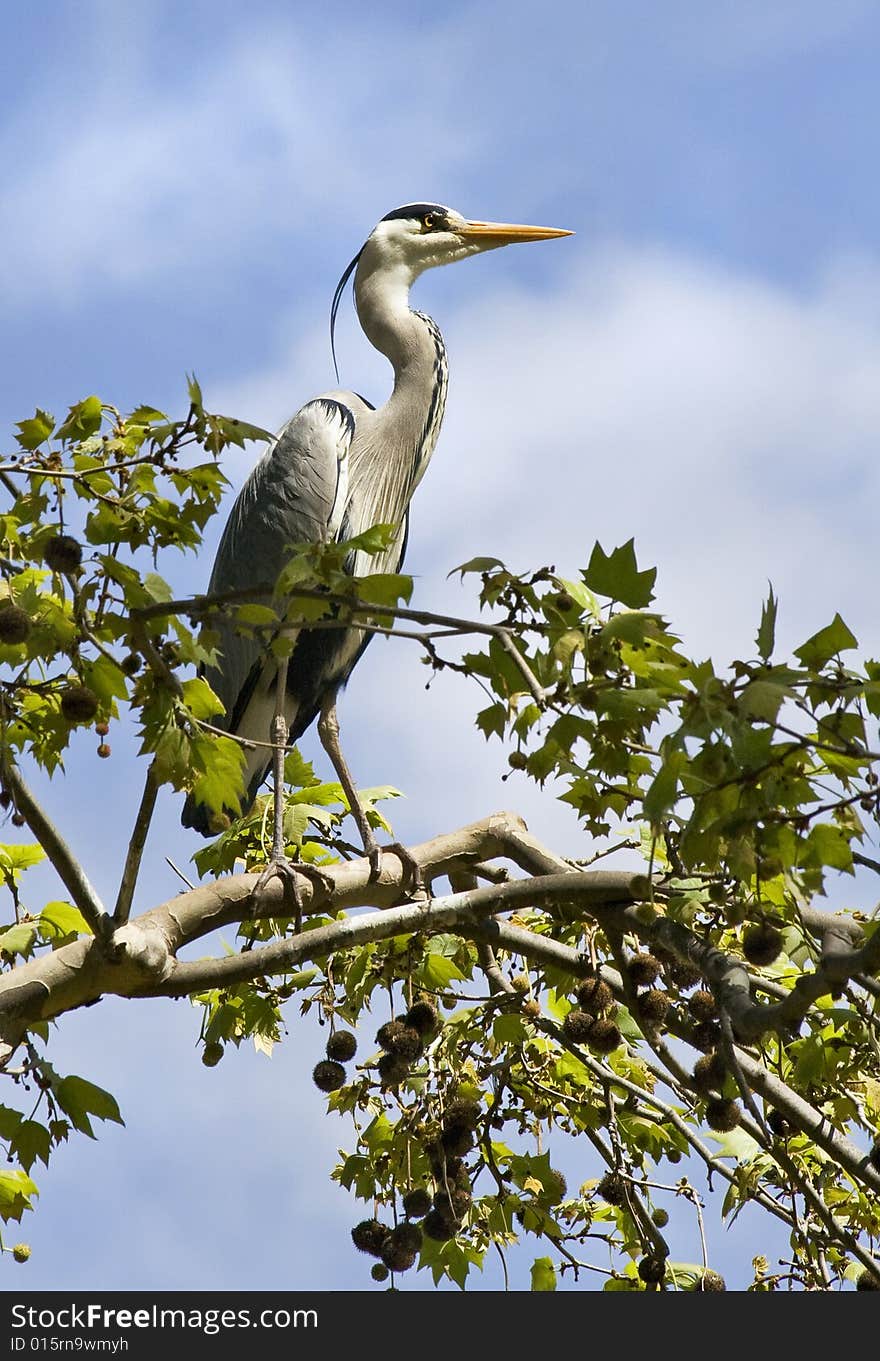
[
  {"x": 712, "y": 1281},
  {"x": 79, "y": 704},
  {"x": 62, "y": 553},
  {"x": 341, "y": 1046},
  {"x": 612, "y": 1188},
  {"x": 212, "y": 1054},
  {"x": 594, "y": 996},
  {"x": 438, "y": 1227},
  {"x": 379, "y": 1271},
  {"x": 701, "y": 1005},
  {"x": 401, "y": 1247},
  {"x": 722, "y": 1115},
  {"x": 709, "y": 1072},
  {"x": 369, "y": 1235},
  {"x": 643, "y": 970},
  {"x": 416, "y": 1203},
  {"x": 761, "y": 944},
  {"x": 328, "y": 1075},
  {"x": 778, "y": 1125},
  {"x": 604, "y": 1036},
  {"x": 866, "y": 1280},
  {"x": 652, "y": 1270},
  {"x": 652, "y": 1006},
  {"x": 424, "y": 1017},
  {"x": 15, "y": 624},
  {"x": 707, "y": 1035},
  {"x": 577, "y": 1026},
  {"x": 392, "y": 1070}
]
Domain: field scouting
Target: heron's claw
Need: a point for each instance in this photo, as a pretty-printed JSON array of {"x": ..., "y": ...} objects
[
  {"x": 412, "y": 871},
  {"x": 284, "y": 869}
]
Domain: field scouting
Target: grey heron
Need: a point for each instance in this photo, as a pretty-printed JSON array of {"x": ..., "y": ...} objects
[{"x": 338, "y": 467}]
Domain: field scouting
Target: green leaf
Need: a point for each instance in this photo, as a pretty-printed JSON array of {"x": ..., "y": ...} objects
[
  {"x": 477, "y": 565},
  {"x": 32, "y": 432},
  {"x": 83, "y": 419},
  {"x": 79, "y": 1099},
  {"x": 767, "y": 630},
  {"x": 31, "y": 1141},
  {"x": 616, "y": 576},
  {"x": 16, "y": 1190},
  {"x": 437, "y": 972},
  {"x": 200, "y": 699},
  {"x": 825, "y": 644},
  {"x": 63, "y": 919},
  {"x": 299, "y": 772},
  {"x": 385, "y": 588},
  {"x": 543, "y": 1274}
]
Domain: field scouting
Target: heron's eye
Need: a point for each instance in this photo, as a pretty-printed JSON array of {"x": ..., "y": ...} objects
[{"x": 430, "y": 220}]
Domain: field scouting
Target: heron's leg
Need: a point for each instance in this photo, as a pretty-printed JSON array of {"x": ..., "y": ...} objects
[
  {"x": 328, "y": 731},
  {"x": 279, "y": 865}
]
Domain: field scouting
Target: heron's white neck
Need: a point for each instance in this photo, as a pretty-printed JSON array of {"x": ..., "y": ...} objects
[{"x": 382, "y": 300}]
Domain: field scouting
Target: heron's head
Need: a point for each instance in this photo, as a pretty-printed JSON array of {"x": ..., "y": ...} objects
[
  {"x": 417, "y": 237},
  {"x": 420, "y": 236}
]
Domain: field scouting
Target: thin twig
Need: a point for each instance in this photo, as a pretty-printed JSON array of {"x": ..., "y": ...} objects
[
  {"x": 136, "y": 846},
  {"x": 67, "y": 866}
]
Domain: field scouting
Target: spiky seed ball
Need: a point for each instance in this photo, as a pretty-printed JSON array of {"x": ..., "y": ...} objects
[
  {"x": 517, "y": 760},
  {"x": 401, "y": 1247},
  {"x": 577, "y": 1026},
  {"x": 520, "y": 982},
  {"x": 416, "y": 1203},
  {"x": 707, "y": 1035},
  {"x": 866, "y": 1280},
  {"x": 369, "y": 1235},
  {"x": 461, "y": 1111},
  {"x": 15, "y": 623},
  {"x": 594, "y": 996},
  {"x": 379, "y": 1271},
  {"x": 392, "y": 1070},
  {"x": 709, "y": 1071},
  {"x": 778, "y": 1125},
  {"x": 531, "y": 1008},
  {"x": 212, "y": 1054},
  {"x": 21, "y": 1252},
  {"x": 423, "y": 1016},
  {"x": 555, "y": 1186},
  {"x": 722, "y": 1115},
  {"x": 673, "y": 1155},
  {"x": 684, "y": 974},
  {"x": 652, "y": 1006},
  {"x": 761, "y": 944},
  {"x": 404, "y": 1041},
  {"x": 132, "y": 664},
  {"x": 62, "y": 553},
  {"x": 604, "y": 1036},
  {"x": 712, "y": 1281},
  {"x": 660, "y": 1217},
  {"x": 452, "y": 1204},
  {"x": 102, "y": 729},
  {"x": 328, "y": 1076},
  {"x": 702, "y": 1005},
  {"x": 104, "y": 750},
  {"x": 342, "y": 1046},
  {"x": 387, "y": 1033},
  {"x": 457, "y": 1140},
  {"x": 652, "y": 1270},
  {"x": 612, "y": 1188},
  {"x": 437, "y": 1226},
  {"x": 643, "y": 969},
  {"x": 17, "y": 819},
  {"x": 79, "y": 704}
]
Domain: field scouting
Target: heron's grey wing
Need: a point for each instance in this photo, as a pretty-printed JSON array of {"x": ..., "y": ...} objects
[{"x": 297, "y": 493}]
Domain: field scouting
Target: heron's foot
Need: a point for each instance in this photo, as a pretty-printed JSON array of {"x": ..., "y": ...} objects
[
  {"x": 412, "y": 871},
  {"x": 280, "y": 867}
]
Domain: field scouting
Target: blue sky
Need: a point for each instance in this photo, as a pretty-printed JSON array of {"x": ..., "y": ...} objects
[{"x": 699, "y": 366}]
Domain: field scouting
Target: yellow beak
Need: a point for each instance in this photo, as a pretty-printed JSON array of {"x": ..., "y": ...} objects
[{"x": 506, "y": 233}]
